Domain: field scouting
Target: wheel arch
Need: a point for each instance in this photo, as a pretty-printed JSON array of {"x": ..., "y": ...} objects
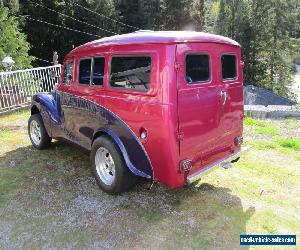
[
  {"x": 115, "y": 138},
  {"x": 34, "y": 110}
]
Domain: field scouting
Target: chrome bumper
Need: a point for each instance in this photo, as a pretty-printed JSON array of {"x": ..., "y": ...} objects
[{"x": 196, "y": 176}]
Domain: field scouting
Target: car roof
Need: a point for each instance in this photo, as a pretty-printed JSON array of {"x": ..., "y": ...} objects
[{"x": 165, "y": 37}]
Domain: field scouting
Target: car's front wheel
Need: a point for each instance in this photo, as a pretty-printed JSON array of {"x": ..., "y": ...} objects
[
  {"x": 37, "y": 132},
  {"x": 109, "y": 168}
]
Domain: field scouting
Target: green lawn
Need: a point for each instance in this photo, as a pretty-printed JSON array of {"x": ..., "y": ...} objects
[{"x": 50, "y": 199}]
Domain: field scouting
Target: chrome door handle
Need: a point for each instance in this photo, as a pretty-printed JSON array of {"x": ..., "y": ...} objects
[{"x": 223, "y": 95}]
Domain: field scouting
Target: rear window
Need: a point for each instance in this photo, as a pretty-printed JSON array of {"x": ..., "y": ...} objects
[
  {"x": 197, "y": 68},
  {"x": 131, "y": 72},
  {"x": 229, "y": 70}
]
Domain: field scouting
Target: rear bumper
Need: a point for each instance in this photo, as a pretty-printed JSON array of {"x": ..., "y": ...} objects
[{"x": 196, "y": 176}]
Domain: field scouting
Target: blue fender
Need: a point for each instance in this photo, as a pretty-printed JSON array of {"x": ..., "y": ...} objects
[
  {"x": 47, "y": 103},
  {"x": 122, "y": 148}
]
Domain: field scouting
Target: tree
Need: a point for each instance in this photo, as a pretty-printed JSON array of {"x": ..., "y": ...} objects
[
  {"x": 47, "y": 38},
  {"x": 13, "y": 41},
  {"x": 264, "y": 28},
  {"x": 13, "y": 5},
  {"x": 198, "y": 14}
]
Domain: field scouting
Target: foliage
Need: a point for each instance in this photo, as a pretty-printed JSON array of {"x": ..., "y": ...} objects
[
  {"x": 13, "y": 5},
  {"x": 248, "y": 121},
  {"x": 269, "y": 34},
  {"x": 291, "y": 143},
  {"x": 12, "y": 41}
]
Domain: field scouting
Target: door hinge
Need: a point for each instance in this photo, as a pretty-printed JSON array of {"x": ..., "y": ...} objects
[{"x": 180, "y": 136}]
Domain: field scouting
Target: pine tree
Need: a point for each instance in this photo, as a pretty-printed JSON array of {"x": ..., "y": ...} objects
[{"x": 264, "y": 29}]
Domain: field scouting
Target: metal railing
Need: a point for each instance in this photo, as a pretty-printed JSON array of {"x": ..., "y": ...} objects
[{"x": 17, "y": 87}]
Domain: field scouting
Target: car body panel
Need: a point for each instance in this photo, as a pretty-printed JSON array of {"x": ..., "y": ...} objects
[
  {"x": 208, "y": 123},
  {"x": 79, "y": 113}
]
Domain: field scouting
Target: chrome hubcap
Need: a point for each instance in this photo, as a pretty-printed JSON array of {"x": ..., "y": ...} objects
[
  {"x": 35, "y": 132},
  {"x": 105, "y": 166}
]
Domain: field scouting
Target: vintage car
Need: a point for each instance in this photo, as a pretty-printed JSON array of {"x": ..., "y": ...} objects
[{"x": 167, "y": 106}]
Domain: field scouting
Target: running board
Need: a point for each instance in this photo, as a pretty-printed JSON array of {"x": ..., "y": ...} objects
[{"x": 225, "y": 163}]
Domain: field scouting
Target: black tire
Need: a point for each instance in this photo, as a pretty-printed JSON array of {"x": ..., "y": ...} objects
[
  {"x": 123, "y": 179},
  {"x": 45, "y": 140}
]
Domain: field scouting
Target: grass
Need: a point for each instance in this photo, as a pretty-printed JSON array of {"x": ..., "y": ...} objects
[
  {"x": 248, "y": 121},
  {"x": 51, "y": 195},
  {"x": 290, "y": 143},
  {"x": 268, "y": 130}
]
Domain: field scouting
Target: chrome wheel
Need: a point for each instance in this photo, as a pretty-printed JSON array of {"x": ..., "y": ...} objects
[
  {"x": 105, "y": 166},
  {"x": 35, "y": 132}
]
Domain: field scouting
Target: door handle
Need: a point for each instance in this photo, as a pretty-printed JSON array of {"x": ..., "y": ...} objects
[{"x": 223, "y": 97}]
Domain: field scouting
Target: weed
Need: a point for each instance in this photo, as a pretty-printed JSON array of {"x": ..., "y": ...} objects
[{"x": 290, "y": 143}]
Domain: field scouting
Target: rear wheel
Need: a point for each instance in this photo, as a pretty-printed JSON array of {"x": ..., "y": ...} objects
[
  {"x": 37, "y": 132},
  {"x": 109, "y": 168}
]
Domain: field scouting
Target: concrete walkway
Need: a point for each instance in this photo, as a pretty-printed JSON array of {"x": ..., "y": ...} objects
[{"x": 272, "y": 111}]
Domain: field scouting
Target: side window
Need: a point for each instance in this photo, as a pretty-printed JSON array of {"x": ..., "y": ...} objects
[
  {"x": 68, "y": 73},
  {"x": 197, "y": 68},
  {"x": 85, "y": 71},
  {"x": 229, "y": 70},
  {"x": 98, "y": 71},
  {"x": 130, "y": 72}
]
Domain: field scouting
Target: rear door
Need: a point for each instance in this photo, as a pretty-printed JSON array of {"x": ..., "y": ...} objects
[
  {"x": 199, "y": 101},
  {"x": 231, "y": 85}
]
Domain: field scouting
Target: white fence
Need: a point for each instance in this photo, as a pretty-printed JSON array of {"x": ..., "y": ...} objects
[{"x": 17, "y": 87}]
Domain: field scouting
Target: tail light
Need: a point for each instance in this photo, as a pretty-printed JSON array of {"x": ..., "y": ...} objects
[{"x": 185, "y": 165}]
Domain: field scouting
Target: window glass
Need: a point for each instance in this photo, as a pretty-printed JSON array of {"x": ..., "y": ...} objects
[
  {"x": 131, "y": 72},
  {"x": 85, "y": 71},
  {"x": 197, "y": 68},
  {"x": 229, "y": 67},
  {"x": 68, "y": 73},
  {"x": 98, "y": 71}
]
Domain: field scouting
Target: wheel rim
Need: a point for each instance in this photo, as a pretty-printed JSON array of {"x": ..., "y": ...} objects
[
  {"x": 35, "y": 132},
  {"x": 105, "y": 166}
]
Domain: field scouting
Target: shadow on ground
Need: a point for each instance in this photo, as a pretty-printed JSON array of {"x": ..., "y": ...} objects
[{"x": 50, "y": 199}]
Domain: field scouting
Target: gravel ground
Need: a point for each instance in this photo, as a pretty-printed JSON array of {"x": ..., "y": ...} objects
[{"x": 51, "y": 201}]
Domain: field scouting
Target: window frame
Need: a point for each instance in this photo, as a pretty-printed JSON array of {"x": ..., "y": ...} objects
[
  {"x": 210, "y": 68},
  {"x": 73, "y": 71},
  {"x": 92, "y": 71},
  {"x": 81, "y": 59},
  {"x": 128, "y": 90},
  {"x": 236, "y": 66}
]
